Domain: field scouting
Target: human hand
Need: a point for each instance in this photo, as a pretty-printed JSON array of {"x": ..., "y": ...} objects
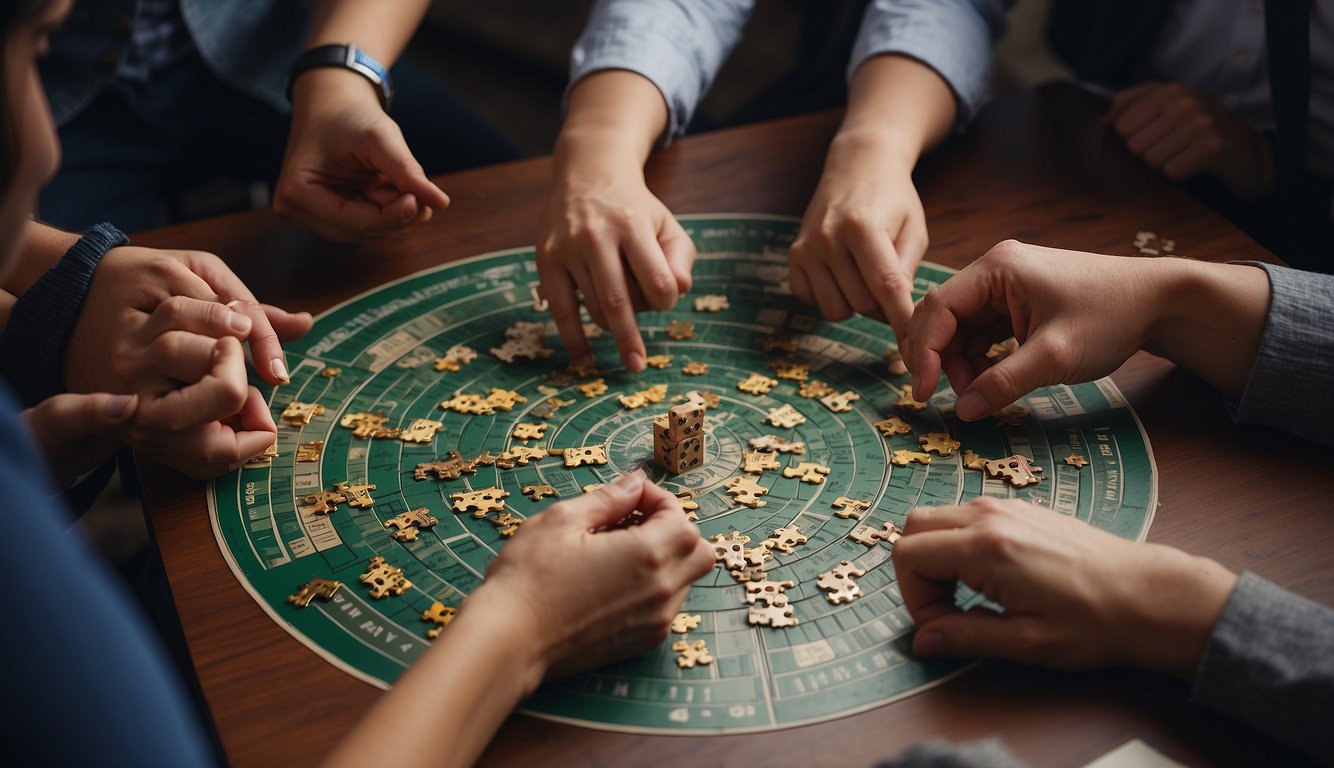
[
  {"x": 863, "y": 234},
  {"x": 1077, "y": 316},
  {"x": 594, "y": 597},
  {"x": 1182, "y": 132},
  {"x": 78, "y": 432},
  {"x": 605, "y": 235},
  {"x": 1074, "y": 597},
  {"x": 211, "y": 424},
  {"x": 182, "y": 291},
  {"x": 348, "y": 173}
]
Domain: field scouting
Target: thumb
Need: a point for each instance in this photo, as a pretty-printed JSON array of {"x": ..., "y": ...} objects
[
  {"x": 67, "y": 419},
  {"x": 390, "y": 156},
  {"x": 967, "y": 635},
  {"x": 680, "y": 252},
  {"x": 609, "y": 504},
  {"x": 1000, "y": 385}
]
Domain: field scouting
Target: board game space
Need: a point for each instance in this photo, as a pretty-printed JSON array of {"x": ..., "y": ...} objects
[{"x": 427, "y": 419}]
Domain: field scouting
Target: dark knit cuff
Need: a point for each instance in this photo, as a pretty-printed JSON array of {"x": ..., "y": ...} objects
[{"x": 33, "y": 345}]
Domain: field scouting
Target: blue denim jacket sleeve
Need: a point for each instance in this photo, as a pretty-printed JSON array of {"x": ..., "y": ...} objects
[
  {"x": 248, "y": 44},
  {"x": 953, "y": 37},
  {"x": 678, "y": 45}
]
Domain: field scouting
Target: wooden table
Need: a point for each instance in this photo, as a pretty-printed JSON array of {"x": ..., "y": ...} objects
[{"x": 1038, "y": 167}]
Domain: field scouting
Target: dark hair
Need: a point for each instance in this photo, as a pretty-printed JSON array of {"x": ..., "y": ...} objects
[{"x": 12, "y": 13}]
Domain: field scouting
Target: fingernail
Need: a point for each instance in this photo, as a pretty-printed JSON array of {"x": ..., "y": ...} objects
[
  {"x": 929, "y": 644},
  {"x": 279, "y": 369},
  {"x": 116, "y": 405},
  {"x": 634, "y": 361},
  {"x": 239, "y": 323},
  {"x": 971, "y": 406},
  {"x": 233, "y": 304}
]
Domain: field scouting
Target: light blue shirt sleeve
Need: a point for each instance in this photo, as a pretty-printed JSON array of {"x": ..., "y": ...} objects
[
  {"x": 679, "y": 45},
  {"x": 953, "y": 37}
]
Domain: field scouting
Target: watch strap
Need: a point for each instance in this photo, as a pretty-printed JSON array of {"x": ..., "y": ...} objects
[{"x": 347, "y": 56}]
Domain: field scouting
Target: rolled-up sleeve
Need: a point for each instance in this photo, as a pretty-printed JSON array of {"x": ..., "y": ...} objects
[
  {"x": 953, "y": 37},
  {"x": 1292, "y": 381},
  {"x": 679, "y": 45}
]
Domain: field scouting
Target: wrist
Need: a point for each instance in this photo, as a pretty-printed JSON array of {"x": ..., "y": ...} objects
[
  {"x": 585, "y": 157},
  {"x": 1170, "y": 607},
  {"x": 512, "y": 635},
  {"x": 327, "y": 89}
]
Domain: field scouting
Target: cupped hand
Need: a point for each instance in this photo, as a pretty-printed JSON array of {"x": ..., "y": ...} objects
[
  {"x": 1074, "y": 597},
  {"x": 862, "y": 237},
  {"x": 592, "y": 597},
  {"x": 1077, "y": 317},
  {"x": 348, "y": 174},
  {"x": 180, "y": 290},
  {"x": 606, "y": 239},
  {"x": 1181, "y": 131}
]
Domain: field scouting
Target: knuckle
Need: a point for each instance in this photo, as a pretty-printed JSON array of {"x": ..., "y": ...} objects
[
  {"x": 893, "y": 282},
  {"x": 1006, "y": 253}
]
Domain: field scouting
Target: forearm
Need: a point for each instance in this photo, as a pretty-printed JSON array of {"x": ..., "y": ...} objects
[
  {"x": 1210, "y": 319},
  {"x": 43, "y": 247},
  {"x": 614, "y": 119},
  {"x": 876, "y": 117},
  {"x": 445, "y": 709}
]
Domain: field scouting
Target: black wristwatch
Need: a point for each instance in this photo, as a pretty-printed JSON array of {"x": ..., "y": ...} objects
[{"x": 348, "y": 57}]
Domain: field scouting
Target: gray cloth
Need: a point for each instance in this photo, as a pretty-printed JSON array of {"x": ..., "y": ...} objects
[
  {"x": 1292, "y": 381},
  {"x": 935, "y": 753},
  {"x": 1270, "y": 664}
]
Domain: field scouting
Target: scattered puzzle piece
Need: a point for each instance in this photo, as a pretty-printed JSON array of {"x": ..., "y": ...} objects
[
  {"x": 446, "y": 469},
  {"x": 850, "y": 507},
  {"x": 778, "y": 444},
  {"x": 730, "y": 550},
  {"x": 466, "y": 402},
  {"x": 589, "y": 488},
  {"x": 365, "y": 425},
  {"x": 768, "y": 592},
  {"x": 689, "y": 505},
  {"x": 756, "y": 462},
  {"x": 658, "y": 361},
  {"x": 1149, "y": 244},
  {"x": 407, "y": 525},
  {"x": 528, "y": 431},
  {"x": 785, "y": 539},
  {"x": 593, "y": 388},
  {"x": 504, "y": 399},
  {"x": 684, "y": 622},
  {"x": 775, "y": 614},
  {"x": 757, "y": 384},
  {"x": 840, "y": 402},
  {"x": 1074, "y": 460},
  {"x": 440, "y": 615},
  {"x": 907, "y": 402},
  {"x": 972, "y": 461},
  {"x": 695, "y": 369},
  {"x": 939, "y": 443},
  {"x": 904, "y": 458},
  {"x": 384, "y": 579},
  {"x": 893, "y": 426},
  {"x": 1016, "y": 469},
  {"x": 264, "y": 458},
  {"x": 525, "y": 340},
  {"x": 869, "y": 535},
  {"x": 309, "y": 452},
  {"x": 680, "y": 330},
  {"x": 507, "y": 523},
  {"x": 711, "y": 303},
  {"x": 539, "y": 492},
  {"x": 808, "y": 471},
  {"x": 331, "y": 373},
  {"x": 1002, "y": 349},
  {"x": 300, "y": 414},
  {"x": 1012, "y": 415},
  {"x": 814, "y": 388},
  {"x": 324, "y": 589},
  {"x": 420, "y": 431},
  {"x": 455, "y": 357},
  {"x": 778, "y": 344},
  {"x": 785, "y": 416},
  {"x": 586, "y": 456},
  {"x": 357, "y": 495},
  {"x": 519, "y": 455},
  {"x": 480, "y": 501},
  {"x": 322, "y": 502},
  {"x": 839, "y": 584},
  {"x": 692, "y": 653},
  {"x": 746, "y": 491},
  {"x": 786, "y": 369}
]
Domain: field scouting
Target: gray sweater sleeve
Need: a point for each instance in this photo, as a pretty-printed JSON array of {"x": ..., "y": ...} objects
[
  {"x": 1293, "y": 376},
  {"x": 1270, "y": 663}
]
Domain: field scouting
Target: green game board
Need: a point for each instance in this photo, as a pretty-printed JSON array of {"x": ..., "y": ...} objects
[{"x": 840, "y": 659}]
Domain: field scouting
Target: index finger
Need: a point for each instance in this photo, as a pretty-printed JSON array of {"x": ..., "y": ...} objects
[
  {"x": 935, "y": 323},
  {"x": 886, "y": 274},
  {"x": 563, "y": 303},
  {"x": 613, "y": 296},
  {"x": 928, "y": 567}
]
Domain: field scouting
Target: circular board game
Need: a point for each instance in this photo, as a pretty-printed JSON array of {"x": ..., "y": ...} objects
[{"x": 419, "y": 413}]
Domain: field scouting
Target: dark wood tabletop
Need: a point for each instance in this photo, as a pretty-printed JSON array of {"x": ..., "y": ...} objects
[{"x": 1036, "y": 166}]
